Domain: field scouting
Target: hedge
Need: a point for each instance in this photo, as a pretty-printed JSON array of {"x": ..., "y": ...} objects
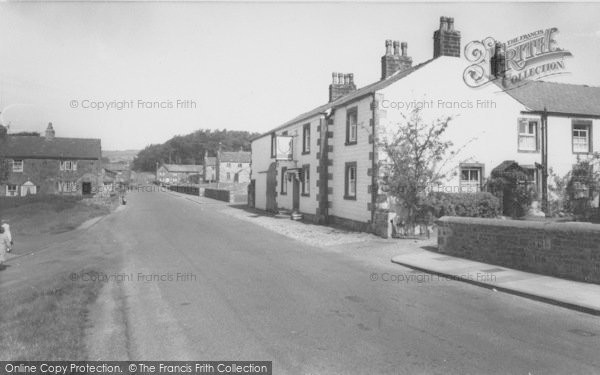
[{"x": 463, "y": 204}]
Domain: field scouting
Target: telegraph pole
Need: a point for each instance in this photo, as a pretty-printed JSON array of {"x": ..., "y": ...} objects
[{"x": 545, "y": 161}]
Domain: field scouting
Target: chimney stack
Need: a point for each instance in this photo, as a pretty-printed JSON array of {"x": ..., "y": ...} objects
[
  {"x": 397, "y": 62},
  {"x": 498, "y": 61},
  {"x": 446, "y": 40},
  {"x": 341, "y": 84},
  {"x": 49, "y": 132}
]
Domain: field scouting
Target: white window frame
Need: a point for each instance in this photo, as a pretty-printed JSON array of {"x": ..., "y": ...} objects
[
  {"x": 68, "y": 165},
  {"x": 306, "y": 138},
  {"x": 17, "y": 165},
  {"x": 351, "y": 180},
  {"x": 467, "y": 185},
  {"x": 584, "y": 132},
  {"x": 12, "y": 192},
  {"x": 352, "y": 126},
  {"x": 526, "y": 134},
  {"x": 67, "y": 186},
  {"x": 306, "y": 180}
]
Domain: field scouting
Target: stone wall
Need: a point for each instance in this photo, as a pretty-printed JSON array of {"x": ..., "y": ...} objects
[{"x": 568, "y": 250}]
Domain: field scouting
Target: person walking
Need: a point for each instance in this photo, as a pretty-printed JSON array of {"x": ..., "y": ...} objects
[
  {"x": 4, "y": 246},
  {"x": 6, "y": 227}
]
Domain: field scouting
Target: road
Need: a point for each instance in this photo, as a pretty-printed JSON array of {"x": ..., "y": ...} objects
[{"x": 246, "y": 293}]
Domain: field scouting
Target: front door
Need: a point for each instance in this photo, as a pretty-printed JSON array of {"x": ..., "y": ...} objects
[
  {"x": 296, "y": 194},
  {"x": 86, "y": 188}
]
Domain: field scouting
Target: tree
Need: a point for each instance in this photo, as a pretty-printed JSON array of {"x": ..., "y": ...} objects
[
  {"x": 190, "y": 149},
  {"x": 3, "y": 162},
  {"x": 574, "y": 192},
  {"x": 415, "y": 154}
]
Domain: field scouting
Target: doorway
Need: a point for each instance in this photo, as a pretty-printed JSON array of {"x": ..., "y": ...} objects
[
  {"x": 295, "y": 193},
  {"x": 86, "y": 188}
]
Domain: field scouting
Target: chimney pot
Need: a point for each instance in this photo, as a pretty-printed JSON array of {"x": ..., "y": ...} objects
[
  {"x": 50, "y": 132},
  {"x": 340, "y": 78},
  {"x": 450, "y": 23},
  {"x": 334, "y": 78},
  {"x": 396, "y": 47},
  {"x": 388, "y": 47},
  {"x": 404, "y": 46},
  {"x": 351, "y": 77},
  {"x": 443, "y": 23}
]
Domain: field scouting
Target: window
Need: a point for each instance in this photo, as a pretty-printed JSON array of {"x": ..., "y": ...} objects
[
  {"x": 350, "y": 181},
  {"x": 11, "y": 190},
  {"x": 582, "y": 140},
  {"x": 528, "y": 134},
  {"x": 306, "y": 139},
  {"x": 532, "y": 177},
  {"x": 228, "y": 176},
  {"x": 351, "y": 126},
  {"x": 470, "y": 179},
  {"x": 68, "y": 165},
  {"x": 273, "y": 145},
  {"x": 283, "y": 181},
  {"x": 17, "y": 165},
  {"x": 306, "y": 180},
  {"x": 239, "y": 165},
  {"x": 70, "y": 186}
]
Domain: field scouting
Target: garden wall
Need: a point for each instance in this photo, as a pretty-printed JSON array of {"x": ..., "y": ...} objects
[
  {"x": 226, "y": 195},
  {"x": 569, "y": 250}
]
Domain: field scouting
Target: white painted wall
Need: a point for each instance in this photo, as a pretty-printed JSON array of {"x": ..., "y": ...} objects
[
  {"x": 359, "y": 153},
  {"x": 261, "y": 159},
  {"x": 486, "y": 135},
  {"x": 308, "y": 204}
]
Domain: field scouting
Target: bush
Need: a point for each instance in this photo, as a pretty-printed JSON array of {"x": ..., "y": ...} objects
[{"x": 463, "y": 204}]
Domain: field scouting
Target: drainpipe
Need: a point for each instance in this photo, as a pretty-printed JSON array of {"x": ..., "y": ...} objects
[
  {"x": 375, "y": 172},
  {"x": 545, "y": 161}
]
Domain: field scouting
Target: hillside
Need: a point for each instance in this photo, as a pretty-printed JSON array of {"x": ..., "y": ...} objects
[
  {"x": 190, "y": 149},
  {"x": 116, "y": 156}
]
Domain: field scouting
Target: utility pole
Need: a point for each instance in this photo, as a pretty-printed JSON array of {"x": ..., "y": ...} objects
[{"x": 545, "y": 161}]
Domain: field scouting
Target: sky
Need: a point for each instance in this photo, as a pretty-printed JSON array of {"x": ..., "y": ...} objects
[{"x": 239, "y": 66}]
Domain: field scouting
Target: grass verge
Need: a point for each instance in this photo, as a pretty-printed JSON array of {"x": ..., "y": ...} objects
[
  {"x": 47, "y": 323},
  {"x": 49, "y": 214}
]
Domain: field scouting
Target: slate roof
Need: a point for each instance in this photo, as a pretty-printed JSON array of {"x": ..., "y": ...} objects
[
  {"x": 356, "y": 94},
  {"x": 184, "y": 168},
  {"x": 560, "y": 98},
  {"x": 211, "y": 161},
  {"x": 236, "y": 157},
  {"x": 116, "y": 167},
  {"x": 36, "y": 147}
]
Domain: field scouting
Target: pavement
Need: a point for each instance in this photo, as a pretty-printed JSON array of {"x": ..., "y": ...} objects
[{"x": 584, "y": 297}]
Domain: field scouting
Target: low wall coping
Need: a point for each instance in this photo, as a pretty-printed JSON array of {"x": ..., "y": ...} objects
[{"x": 569, "y": 226}]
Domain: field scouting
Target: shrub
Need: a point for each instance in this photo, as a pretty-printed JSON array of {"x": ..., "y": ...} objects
[{"x": 463, "y": 204}]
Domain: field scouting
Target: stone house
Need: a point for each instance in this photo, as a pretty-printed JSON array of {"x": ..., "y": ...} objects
[
  {"x": 210, "y": 168},
  {"x": 233, "y": 167},
  {"x": 174, "y": 174},
  {"x": 329, "y": 169},
  {"x": 51, "y": 165}
]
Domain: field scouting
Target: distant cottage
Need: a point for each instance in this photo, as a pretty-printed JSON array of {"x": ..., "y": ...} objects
[
  {"x": 173, "y": 174},
  {"x": 51, "y": 165},
  {"x": 233, "y": 166}
]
